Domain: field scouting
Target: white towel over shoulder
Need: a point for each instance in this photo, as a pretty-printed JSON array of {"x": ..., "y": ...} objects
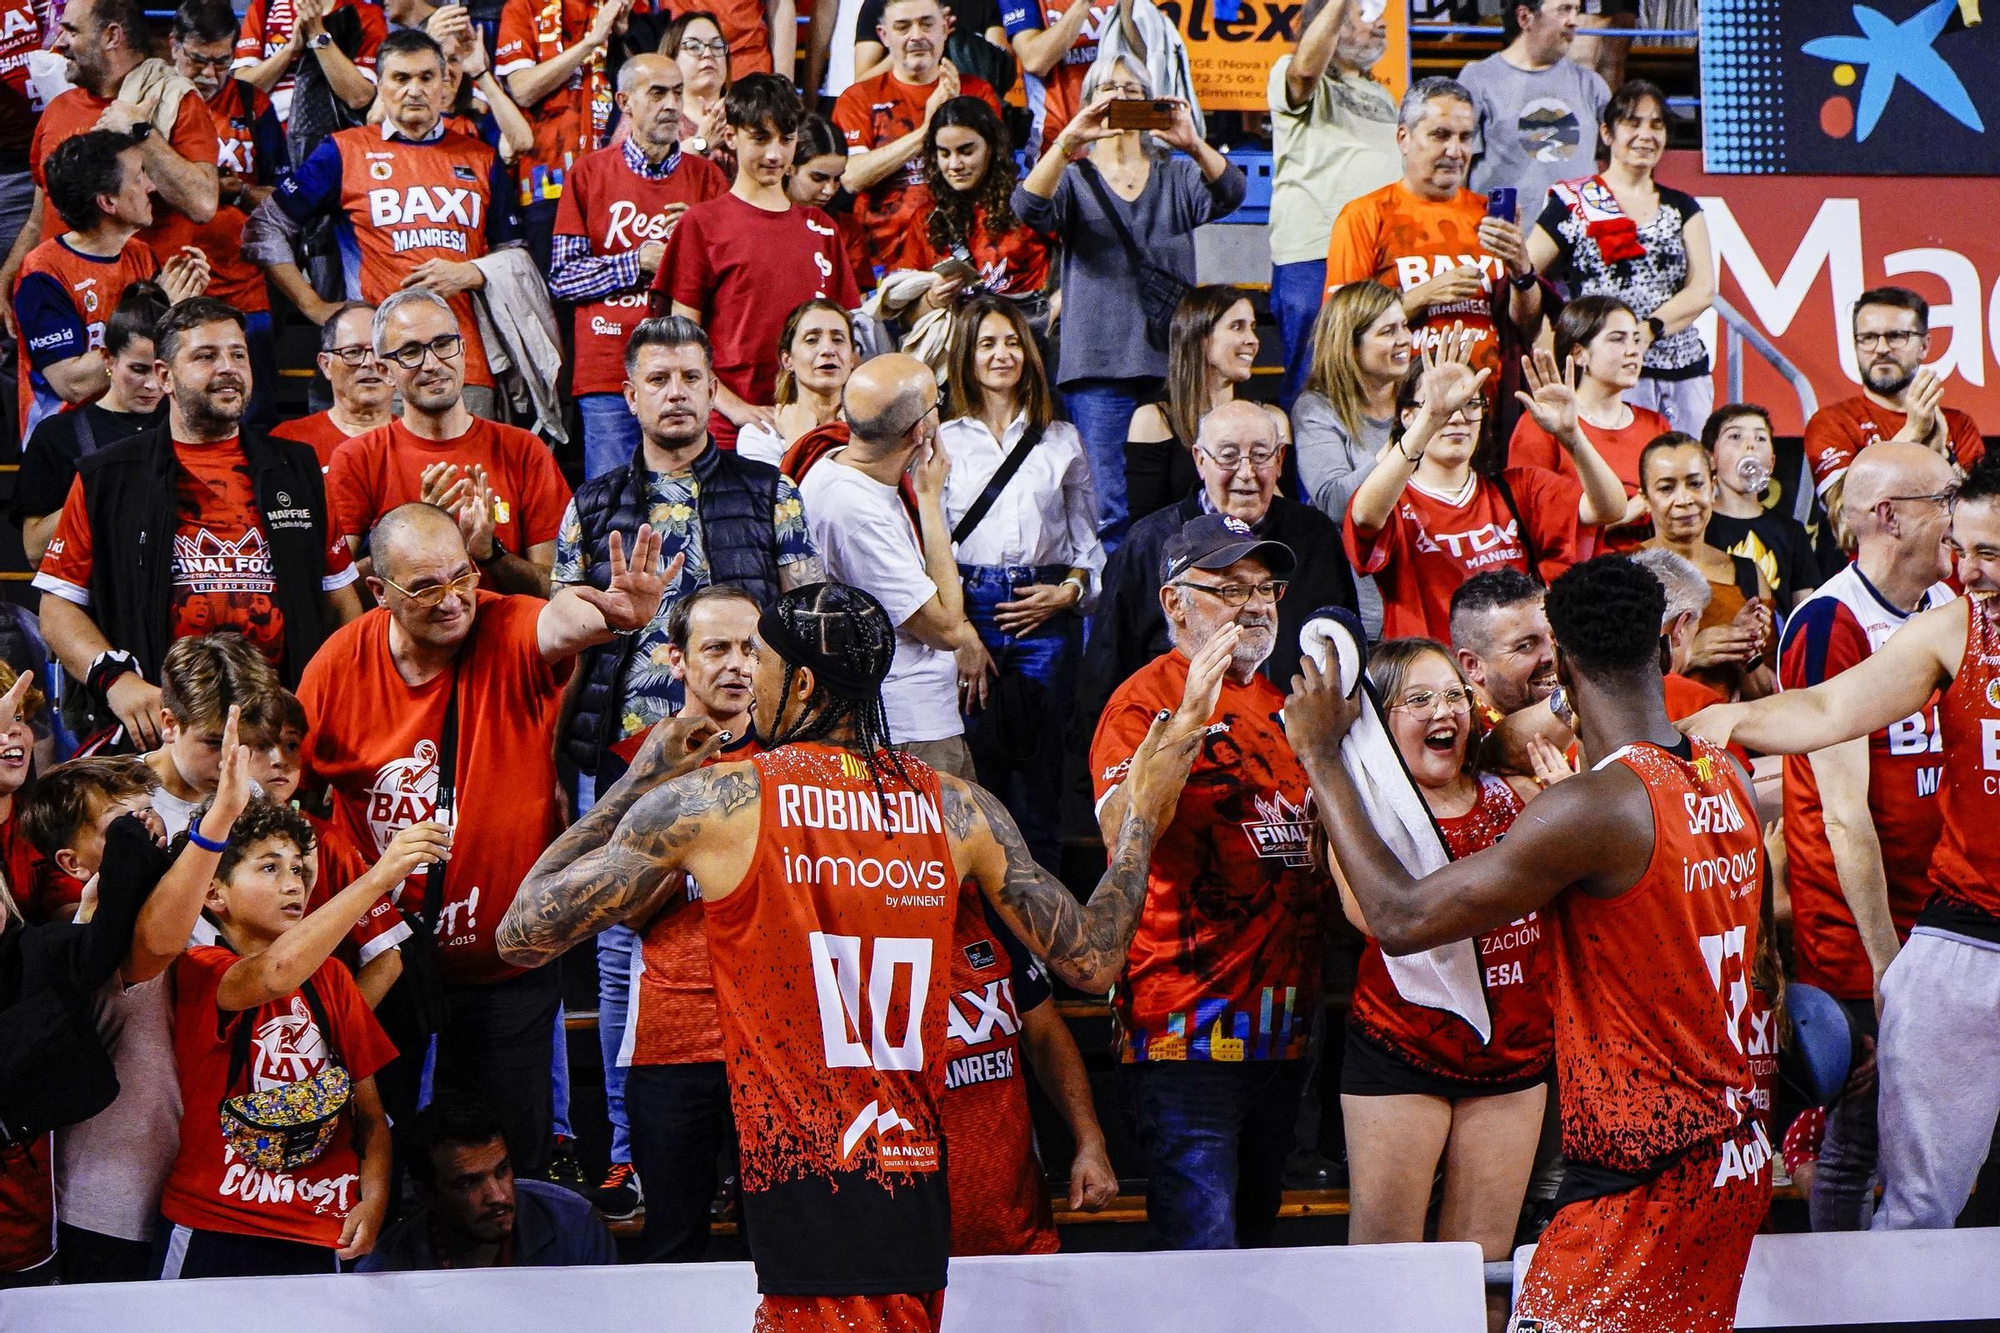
[{"x": 1446, "y": 977}]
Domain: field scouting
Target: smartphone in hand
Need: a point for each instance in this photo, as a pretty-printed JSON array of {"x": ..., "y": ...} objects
[
  {"x": 1133, "y": 114},
  {"x": 1504, "y": 203}
]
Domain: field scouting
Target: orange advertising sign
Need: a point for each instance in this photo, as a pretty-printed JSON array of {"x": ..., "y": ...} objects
[{"x": 1231, "y": 58}]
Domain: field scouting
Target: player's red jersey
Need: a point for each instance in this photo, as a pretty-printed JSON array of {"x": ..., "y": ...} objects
[
  {"x": 1513, "y": 967},
  {"x": 1839, "y": 431},
  {"x": 1966, "y": 869},
  {"x": 1651, "y": 987},
  {"x": 999, "y": 1193},
  {"x": 63, "y": 299},
  {"x": 673, "y": 1019},
  {"x": 617, "y": 210},
  {"x": 1843, "y": 622},
  {"x": 836, "y": 1085}
]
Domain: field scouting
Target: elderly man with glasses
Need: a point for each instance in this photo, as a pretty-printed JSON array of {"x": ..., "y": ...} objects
[
  {"x": 363, "y": 397},
  {"x": 501, "y": 482},
  {"x": 1221, "y": 984},
  {"x": 1240, "y": 461}
]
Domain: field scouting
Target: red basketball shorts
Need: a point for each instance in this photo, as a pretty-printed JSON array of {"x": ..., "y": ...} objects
[{"x": 850, "y": 1314}]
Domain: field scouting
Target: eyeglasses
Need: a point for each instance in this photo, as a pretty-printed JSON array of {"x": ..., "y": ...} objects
[
  {"x": 1942, "y": 499},
  {"x": 717, "y": 48},
  {"x": 1895, "y": 340},
  {"x": 432, "y": 597},
  {"x": 207, "y": 62},
  {"x": 445, "y": 347},
  {"x": 1229, "y": 457},
  {"x": 357, "y": 354},
  {"x": 1457, "y": 699},
  {"x": 1473, "y": 410},
  {"x": 1239, "y": 594}
]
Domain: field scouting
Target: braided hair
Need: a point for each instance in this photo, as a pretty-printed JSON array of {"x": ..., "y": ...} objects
[
  {"x": 1605, "y": 615},
  {"x": 845, "y": 637}
]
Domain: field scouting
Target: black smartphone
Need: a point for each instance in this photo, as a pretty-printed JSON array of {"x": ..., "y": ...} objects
[{"x": 1504, "y": 202}]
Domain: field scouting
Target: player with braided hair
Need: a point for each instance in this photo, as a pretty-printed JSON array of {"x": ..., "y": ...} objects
[
  {"x": 1648, "y": 869},
  {"x": 830, "y": 872}
]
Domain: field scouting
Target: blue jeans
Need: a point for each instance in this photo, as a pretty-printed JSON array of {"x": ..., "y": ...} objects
[
  {"x": 1297, "y": 291},
  {"x": 263, "y": 410},
  {"x": 1030, "y": 788},
  {"x": 559, "y": 1080},
  {"x": 1216, "y": 1136},
  {"x": 616, "y": 948},
  {"x": 610, "y": 433},
  {"x": 1102, "y": 413}
]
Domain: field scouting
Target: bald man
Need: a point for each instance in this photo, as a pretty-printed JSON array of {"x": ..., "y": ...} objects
[
  {"x": 1861, "y": 817},
  {"x": 864, "y": 537},
  {"x": 441, "y": 703},
  {"x": 618, "y": 207}
]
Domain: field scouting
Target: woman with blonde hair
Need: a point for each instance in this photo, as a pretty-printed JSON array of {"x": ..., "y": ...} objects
[
  {"x": 1342, "y": 420},
  {"x": 1211, "y": 347},
  {"x": 816, "y": 354}
]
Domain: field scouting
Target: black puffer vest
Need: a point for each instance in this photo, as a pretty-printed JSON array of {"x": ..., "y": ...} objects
[{"x": 734, "y": 502}]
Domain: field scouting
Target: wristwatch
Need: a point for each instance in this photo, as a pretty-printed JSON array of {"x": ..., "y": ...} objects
[
  {"x": 499, "y": 552},
  {"x": 107, "y": 667},
  {"x": 319, "y": 41},
  {"x": 1656, "y": 326},
  {"x": 1522, "y": 281},
  {"x": 140, "y": 130}
]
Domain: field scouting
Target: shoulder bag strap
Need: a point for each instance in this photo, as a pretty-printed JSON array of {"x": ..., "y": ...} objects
[
  {"x": 326, "y": 1032},
  {"x": 447, "y": 802},
  {"x": 1008, "y": 467},
  {"x": 1097, "y": 187},
  {"x": 1499, "y": 480}
]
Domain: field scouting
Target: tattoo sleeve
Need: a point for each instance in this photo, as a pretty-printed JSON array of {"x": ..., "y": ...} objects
[
  {"x": 1085, "y": 943},
  {"x": 604, "y": 870}
]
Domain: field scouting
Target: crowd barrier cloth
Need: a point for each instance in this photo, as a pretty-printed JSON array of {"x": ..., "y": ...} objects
[
  {"x": 1880, "y": 1280},
  {"x": 1334, "y": 1289}
]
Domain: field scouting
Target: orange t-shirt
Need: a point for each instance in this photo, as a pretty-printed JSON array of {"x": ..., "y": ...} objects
[
  {"x": 878, "y": 111},
  {"x": 1839, "y": 431},
  {"x": 569, "y": 120},
  {"x": 376, "y": 471},
  {"x": 1394, "y": 237},
  {"x": 75, "y": 111},
  {"x": 62, "y": 300}
]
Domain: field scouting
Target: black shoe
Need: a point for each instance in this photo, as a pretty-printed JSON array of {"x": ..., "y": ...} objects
[
  {"x": 1309, "y": 1170},
  {"x": 565, "y": 1170},
  {"x": 619, "y": 1198}
]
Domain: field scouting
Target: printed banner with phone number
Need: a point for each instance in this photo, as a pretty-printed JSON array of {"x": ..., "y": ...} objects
[{"x": 1232, "y": 47}]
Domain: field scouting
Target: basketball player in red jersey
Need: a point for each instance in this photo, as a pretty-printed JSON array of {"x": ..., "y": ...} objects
[
  {"x": 1937, "y": 1059},
  {"x": 1647, "y": 868},
  {"x": 830, "y": 870}
]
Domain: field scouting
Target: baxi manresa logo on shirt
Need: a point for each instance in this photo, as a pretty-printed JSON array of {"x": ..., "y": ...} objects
[
  {"x": 403, "y": 793},
  {"x": 205, "y": 562},
  {"x": 286, "y": 1048}
]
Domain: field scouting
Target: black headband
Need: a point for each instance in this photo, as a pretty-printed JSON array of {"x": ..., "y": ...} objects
[{"x": 838, "y": 674}]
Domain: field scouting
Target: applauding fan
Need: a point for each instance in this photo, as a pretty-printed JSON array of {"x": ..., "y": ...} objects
[
  {"x": 1426, "y": 519},
  {"x": 1737, "y": 629}
]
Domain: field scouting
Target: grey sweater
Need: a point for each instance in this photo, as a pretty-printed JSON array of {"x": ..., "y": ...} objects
[
  {"x": 1104, "y": 330},
  {"x": 1332, "y": 466}
]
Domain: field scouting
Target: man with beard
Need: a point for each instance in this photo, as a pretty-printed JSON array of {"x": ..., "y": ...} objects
[
  {"x": 618, "y": 207},
  {"x": 1220, "y": 986},
  {"x": 251, "y": 159},
  {"x": 106, "y": 42},
  {"x": 1500, "y": 636},
  {"x": 501, "y": 482},
  {"x": 1333, "y": 140},
  {"x": 201, "y": 510},
  {"x": 1898, "y": 400},
  {"x": 362, "y": 393}
]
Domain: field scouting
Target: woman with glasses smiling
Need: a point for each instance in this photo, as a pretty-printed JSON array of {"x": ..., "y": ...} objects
[
  {"x": 695, "y": 42},
  {"x": 1426, "y": 518},
  {"x": 1419, "y": 1090}
]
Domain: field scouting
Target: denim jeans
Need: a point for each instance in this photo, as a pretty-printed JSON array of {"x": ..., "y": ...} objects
[
  {"x": 681, "y": 1122},
  {"x": 1297, "y": 292},
  {"x": 1843, "y": 1186},
  {"x": 610, "y": 433},
  {"x": 1031, "y": 788},
  {"x": 1215, "y": 1136},
  {"x": 616, "y": 949},
  {"x": 1102, "y": 413}
]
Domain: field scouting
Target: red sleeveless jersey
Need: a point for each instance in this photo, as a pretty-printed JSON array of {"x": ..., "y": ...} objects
[
  {"x": 1966, "y": 867},
  {"x": 1512, "y": 968},
  {"x": 1652, "y": 988},
  {"x": 831, "y": 962},
  {"x": 999, "y": 1193}
]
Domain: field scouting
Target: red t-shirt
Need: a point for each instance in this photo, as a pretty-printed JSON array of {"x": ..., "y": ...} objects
[
  {"x": 881, "y": 110},
  {"x": 28, "y": 1206},
  {"x": 617, "y": 211},
  {"x": 233, "y": 278},
  {"x": 999, "y": 1192},
  {"x": 338, "y": 863},
  {"x": 1839, "y": 431},
  {"x": 744, "y": 270},
  {"x": 63, "y": 298},
  {"x": 565, "y": 126},
  {"x": 383, "y": 468},
  {"x": 374, "y": 746},
  {"x": 75, "y": 111},
  {"x": 1513, "y": 969},
  {"x": 1620, "y": 449},
  {"x": 209, "y": 1188},
  {"x": 266, "y": 25},
  {"x": 1226, "y": 962},
  {"x": 317, "y": 431},
  {"x": 673, "y": 1019},
  {"x": 1429, "y": 545},
  {"x": 1010, "y": 263},
  {"x": 222, "y": 575}
]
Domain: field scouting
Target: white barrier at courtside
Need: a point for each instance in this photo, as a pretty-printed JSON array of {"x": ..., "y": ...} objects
[
  {"x": 1382, "y": 1288},
  {"x": 1864, "y": 1278}
]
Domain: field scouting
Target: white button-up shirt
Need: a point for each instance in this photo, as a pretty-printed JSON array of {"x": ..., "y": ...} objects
[{"x": 1047, "y": 515}]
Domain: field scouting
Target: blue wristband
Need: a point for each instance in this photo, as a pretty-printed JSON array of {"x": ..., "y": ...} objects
[{"x": 194, "y": 836}]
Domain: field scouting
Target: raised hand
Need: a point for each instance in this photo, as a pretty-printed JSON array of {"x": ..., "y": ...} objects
[
  {"x": 11, "y": 701},
  {"x": 946, "y": 89},
  {"x": 1181, "y": 133},
  {"x": 1317, "y": 714},
  {"x": 444, "y": 485},
  {"x": 1924, "y": 403},
  {"x": 1088, "y": 126},
  {"x": 633, "y": 598},
  {"x": 1551, "y": 394},
  {"x": 233, "y": 789},
  {"x": 1505, "y": 242},
  {"x": 1448, "y": 381}
]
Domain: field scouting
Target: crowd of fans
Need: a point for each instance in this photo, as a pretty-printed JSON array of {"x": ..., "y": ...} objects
[{"x": 308, "y": 695}]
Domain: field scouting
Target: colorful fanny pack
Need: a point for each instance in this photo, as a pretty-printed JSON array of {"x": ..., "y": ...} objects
[{"x": 290, "y": 1125}]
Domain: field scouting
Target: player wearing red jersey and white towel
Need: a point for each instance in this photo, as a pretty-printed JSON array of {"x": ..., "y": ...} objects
[
  {"x": 1937, "y": 1059},
  {"x": 1646, "y": 870},
  {"x": 831, "y": 869}
]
